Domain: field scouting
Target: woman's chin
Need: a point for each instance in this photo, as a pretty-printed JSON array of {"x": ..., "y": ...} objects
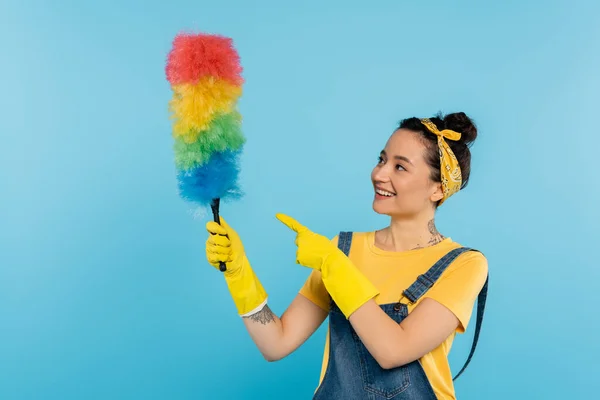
[{"x": 379, "y": 209}]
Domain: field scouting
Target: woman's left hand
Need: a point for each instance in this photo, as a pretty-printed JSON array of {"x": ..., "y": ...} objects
[
  {"x": 313, "y": 249},
  {"x": 348, "y": 287}
]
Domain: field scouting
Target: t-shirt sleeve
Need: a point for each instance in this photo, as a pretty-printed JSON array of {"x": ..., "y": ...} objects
[
  {"x": 459, "y": 285},
  {"x": 314, "y": 289}
]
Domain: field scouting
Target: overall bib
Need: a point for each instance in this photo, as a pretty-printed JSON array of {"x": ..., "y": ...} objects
[{"x": 353, "y": 374}]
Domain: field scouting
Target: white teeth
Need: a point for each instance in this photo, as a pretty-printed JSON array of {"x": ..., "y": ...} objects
[{"x": 384, "y": 193}]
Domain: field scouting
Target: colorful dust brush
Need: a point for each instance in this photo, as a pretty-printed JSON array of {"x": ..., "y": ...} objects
[{"x": 205, "y": 75}]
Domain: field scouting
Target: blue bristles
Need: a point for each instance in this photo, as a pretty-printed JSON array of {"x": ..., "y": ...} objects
[{"x": 218, "y": 178}]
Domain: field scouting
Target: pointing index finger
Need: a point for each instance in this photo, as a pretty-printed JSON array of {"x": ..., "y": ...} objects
[{"x": 291, "y": 223}]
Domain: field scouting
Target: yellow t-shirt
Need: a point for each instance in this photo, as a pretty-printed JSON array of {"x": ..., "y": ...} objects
[{"x": 392, "y": 272}]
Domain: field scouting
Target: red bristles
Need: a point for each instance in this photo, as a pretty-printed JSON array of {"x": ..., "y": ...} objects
[{"x": 194, "y": 56}]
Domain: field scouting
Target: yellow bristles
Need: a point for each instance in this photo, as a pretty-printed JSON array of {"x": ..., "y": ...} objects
[{"x": 193, "y": 106}]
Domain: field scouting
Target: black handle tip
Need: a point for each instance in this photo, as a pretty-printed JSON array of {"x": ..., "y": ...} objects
[{"x": 215, "y": 210}]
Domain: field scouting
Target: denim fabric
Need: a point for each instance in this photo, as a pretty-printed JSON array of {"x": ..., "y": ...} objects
[{"x": 353, "y": 374}]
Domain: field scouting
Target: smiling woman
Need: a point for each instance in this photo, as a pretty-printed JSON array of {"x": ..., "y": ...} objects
[
  {"x": 414, "y": 148},
  {"x": 395, "y": 297}
]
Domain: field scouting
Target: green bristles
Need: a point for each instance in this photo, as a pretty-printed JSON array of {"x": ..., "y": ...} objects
[{"x": 224, "y": 133}]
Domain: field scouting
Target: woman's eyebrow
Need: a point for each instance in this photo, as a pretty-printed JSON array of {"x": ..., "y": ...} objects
[{"x": 402, "y": 158}]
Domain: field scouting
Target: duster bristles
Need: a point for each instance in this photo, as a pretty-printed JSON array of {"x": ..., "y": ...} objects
[
  {"x": 195, "y": 105},
  {"x": 224, "y": 132},
  {"x": 196, "y": 56},
  {"x": 215, "y": 179},
  {"x": 205, "y": 75}
]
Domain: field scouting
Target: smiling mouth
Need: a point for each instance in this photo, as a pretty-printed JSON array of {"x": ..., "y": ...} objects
[{"x": 384, "y": 193}]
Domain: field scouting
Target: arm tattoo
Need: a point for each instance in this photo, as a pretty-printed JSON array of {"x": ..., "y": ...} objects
[{"x": 264, "y": 316}]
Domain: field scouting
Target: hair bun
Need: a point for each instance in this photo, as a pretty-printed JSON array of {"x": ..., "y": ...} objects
[{"x": 460, "y": 122}]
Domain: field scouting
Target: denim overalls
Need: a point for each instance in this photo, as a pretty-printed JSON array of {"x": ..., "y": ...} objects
[{"x": 353, "y": 374}]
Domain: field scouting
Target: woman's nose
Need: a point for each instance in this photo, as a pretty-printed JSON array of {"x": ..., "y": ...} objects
[{"x": 381, "y": 174}]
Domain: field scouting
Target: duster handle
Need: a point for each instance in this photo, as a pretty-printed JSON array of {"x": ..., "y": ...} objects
[{"x": 214, "y": 206}]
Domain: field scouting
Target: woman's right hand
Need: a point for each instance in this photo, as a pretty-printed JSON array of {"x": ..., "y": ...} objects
[
  {"x": 302, "y": 318},
  {"x": 224, "y": 245}
]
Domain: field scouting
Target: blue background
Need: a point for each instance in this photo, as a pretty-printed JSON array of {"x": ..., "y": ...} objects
[{"x": 104, "y": 289}]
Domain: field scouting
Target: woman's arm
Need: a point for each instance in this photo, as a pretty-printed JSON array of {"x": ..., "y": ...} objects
[
  {"x": 275, "y": 337},
  {"x": 278, "y": 337},
  {"x": 447, "y": 305},
  {"x": 393, "y": 344},
  {"x": 446, "y": 308}
]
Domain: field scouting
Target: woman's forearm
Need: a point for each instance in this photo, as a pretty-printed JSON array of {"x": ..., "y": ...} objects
[
  {"x": 278, "y": 337},
  {"x": 392, "y": 344},
  {"x": 266, "y": 330}
]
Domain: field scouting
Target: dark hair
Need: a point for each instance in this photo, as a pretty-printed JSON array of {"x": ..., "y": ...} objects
[{"x": 458, "y": 122}]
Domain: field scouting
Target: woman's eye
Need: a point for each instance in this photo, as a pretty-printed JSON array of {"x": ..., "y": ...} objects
[
  {"x": 379, "y": 160},
  {"x": 399, "y": 167}
]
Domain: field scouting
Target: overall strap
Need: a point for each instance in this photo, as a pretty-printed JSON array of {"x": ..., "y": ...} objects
[
  {"x": 426, "y": 281},
  {"x": 344, "y": 242},
  {"x": 480, "y": 309}
]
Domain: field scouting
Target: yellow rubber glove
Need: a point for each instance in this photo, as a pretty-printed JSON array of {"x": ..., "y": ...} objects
[
  {"x": 224, "y": 245},
  {"x": 346, "y": 285}
]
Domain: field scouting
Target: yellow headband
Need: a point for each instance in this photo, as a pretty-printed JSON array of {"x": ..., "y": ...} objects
[{"x": 450, "y": 169}]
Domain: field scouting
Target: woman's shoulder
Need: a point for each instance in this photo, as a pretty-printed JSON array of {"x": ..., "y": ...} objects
[
  {"x": 472, "y": 259},
  {"x": 471, "y": 252}
]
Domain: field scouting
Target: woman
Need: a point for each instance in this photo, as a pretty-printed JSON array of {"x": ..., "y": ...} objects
[{"x": 395, "y": 297}]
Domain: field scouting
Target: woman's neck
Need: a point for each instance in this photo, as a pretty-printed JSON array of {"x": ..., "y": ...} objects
[{"x": 404, "y": 235}]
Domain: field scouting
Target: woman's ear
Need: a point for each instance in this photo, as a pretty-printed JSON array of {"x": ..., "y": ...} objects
[{"x": 438, "y": 193}]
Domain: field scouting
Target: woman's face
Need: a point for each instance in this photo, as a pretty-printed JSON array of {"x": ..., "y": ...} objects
[{"x": 401, "y": 177}]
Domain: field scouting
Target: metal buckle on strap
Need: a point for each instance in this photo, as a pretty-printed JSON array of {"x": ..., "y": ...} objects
[
  {"x": 399, "y": 304},
  {"x": 404, "y": 296}
]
